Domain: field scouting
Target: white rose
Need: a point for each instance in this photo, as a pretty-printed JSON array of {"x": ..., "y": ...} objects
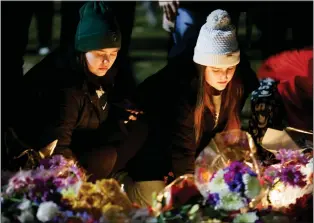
[
  {"x": 26, "y": 216},
  {"x": 26, "y": 204},
  {"x": 47, "y": 211}
]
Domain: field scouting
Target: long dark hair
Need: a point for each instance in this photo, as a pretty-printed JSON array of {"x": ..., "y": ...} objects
[
  {"x": 81, "y": 62},
  {"x": 230, "y": 96}
]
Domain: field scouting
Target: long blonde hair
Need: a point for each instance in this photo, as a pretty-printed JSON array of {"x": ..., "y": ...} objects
[{"x": 230, "y": 95}]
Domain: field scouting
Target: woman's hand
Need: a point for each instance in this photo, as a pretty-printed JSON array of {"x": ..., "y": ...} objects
[
  {"x": 127, "y": 111},
  {"x": 170, "y": 9},
  {"x": 134, "y": 113}
]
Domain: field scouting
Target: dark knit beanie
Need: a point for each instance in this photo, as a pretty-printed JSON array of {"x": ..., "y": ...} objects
[{"x": 97, "y": 29}]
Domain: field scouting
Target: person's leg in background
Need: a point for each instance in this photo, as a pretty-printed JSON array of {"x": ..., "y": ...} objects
[
  {"x": 145, "y": 172},
  {"x": 141, "y": 192},
  {"x": 14, "y": 39},
  {"x": 184, "y": 20},
  {"x": 99, "y": 162},
  {"x": 70, "y": 17},
  {"x": 44, "y": 13},
  {"x": 150, "y": 10},
  {"x": 187, "y": 26}
]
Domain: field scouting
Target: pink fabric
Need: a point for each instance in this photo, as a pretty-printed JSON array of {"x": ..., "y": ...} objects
[{"x": 294, "y": 71}]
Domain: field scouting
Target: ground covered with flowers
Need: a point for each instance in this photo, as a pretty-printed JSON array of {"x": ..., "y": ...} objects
[{"x": 58, "y": 191}]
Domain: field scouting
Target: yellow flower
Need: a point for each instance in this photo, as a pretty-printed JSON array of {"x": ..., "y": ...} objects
[
  {"x": 88, "y": 188},
  {"x": 111, "y": 188}
]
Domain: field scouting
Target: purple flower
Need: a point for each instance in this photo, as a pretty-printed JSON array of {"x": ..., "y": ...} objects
[
  {"x": 238, "y": 167},
  {"x": 229, "y": 176},
  {"x": 84, "y": 216},
  {"x": 292, "y": 176},
  {"x": 53, "y": 162},
  {"x": 291, "y": 156},
  {"x": 68, "y": 214},
  {"x": 213, "y": 199},
  {"x": 236, "y": 185},
  {"x": 271, "y": 173}
]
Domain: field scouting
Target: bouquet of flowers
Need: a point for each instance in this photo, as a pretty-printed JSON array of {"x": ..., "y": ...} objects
[
  {"x": 291, "y": 182},
  {"x": 224, "y": 148},
  {"x": 178, "y": 202},
  {"x": 233, "y": 187},
  {"x": 32, "y": 191},
  {"x": 228, "y": 194},
  {"x": 58, "y": 191}
]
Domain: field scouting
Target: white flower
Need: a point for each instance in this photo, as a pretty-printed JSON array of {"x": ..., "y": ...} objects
[
  {"x": 218, "y": 184},
  {"x": 249, "y": 217},
  {"x": 282, "y": 195},
  {"x": 231, "y": 202},
  {"x": 252, "y": 186},
  {"x": 308, "y": 169},
  {"x": 47, "y": 211},
  {"x": 27, "y": 213},
  {"x": 26, "y": 216},
  {"x": 26, "y": 204}
]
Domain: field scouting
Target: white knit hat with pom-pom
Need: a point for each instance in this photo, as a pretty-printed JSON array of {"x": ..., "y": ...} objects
[{"x": 217, "y": 43}]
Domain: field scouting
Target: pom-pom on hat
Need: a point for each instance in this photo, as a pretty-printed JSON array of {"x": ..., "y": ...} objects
[{"x": 217, "y": 43}]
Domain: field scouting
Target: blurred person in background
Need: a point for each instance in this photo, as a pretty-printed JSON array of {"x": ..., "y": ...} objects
[
  {"x": 185, "y": 19},
  {"x": 274, "y": 21},
  {"x": 14, "y": 40}
]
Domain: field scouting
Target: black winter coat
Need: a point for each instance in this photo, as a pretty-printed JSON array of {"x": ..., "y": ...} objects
[{"x": 60, "y": 102}]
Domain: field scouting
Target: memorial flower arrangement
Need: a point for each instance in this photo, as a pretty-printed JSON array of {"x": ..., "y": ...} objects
[
  {"x": 236, "y": 193},
  {"x": 227, "y": 197},
  {"x": 58, "y": 191},
  {"x": 291, "y": 183}
]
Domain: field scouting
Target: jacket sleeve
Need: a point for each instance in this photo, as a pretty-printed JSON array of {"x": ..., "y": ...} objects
[
  {"x": 183, "y": 147},
  {"x": 63, "y": 114}
]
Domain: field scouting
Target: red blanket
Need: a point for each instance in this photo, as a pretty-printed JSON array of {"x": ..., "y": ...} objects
[{"x": 294, "y": 72}]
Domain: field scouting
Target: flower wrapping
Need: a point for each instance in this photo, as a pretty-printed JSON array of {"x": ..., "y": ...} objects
[{"x": 225, "y": 148}]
